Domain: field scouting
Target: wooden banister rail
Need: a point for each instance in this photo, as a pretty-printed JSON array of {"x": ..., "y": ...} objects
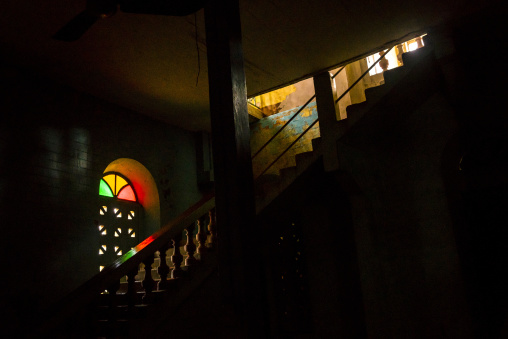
[{"x": 125, "y": 265}]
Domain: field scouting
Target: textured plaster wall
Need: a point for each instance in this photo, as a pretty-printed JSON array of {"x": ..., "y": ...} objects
[
  {"x": 55, "y": 144},
  {"x": 264, "y": 129}
]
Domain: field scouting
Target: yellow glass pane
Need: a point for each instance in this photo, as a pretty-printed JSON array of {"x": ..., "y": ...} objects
[
  {"x": 110, "y": 179},
  {"x": 120, "y": 183}
]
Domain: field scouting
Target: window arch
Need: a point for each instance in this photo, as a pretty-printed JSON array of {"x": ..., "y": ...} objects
[{"x": 116, "y": 185}]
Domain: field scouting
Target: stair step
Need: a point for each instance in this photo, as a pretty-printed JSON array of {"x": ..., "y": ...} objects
[
  {"x": 394, "y": 75},
  {"x": 288, "y": 172},
  {"x": 105, "y": 312},
  {"x": 374, "y": 94},
  {"x": 115, "y": 328},
  {"x": 412, "y": 58},
  {"x": 120, "y": 299},
  {"x": 305, "y": 156},
  {"x": 316, "y": 143},
  {"x": 353, "y": 109}
]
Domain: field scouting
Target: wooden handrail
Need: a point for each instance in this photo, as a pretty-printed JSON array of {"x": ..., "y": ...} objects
[{"x": 111, "y": 274}]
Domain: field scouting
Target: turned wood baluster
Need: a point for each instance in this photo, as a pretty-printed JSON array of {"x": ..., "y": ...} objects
[
  {"x": 383, "y": 63},
  {"x": 131, "y": 288},
  {"x": 190, "y": 247},
  {"x": 212, "y": 229},
  {"x": 148, "y": 283},
  {"x": 163, "y": 267},
  {"x": 201, "y": 237},
  {"x": 112, "y": 289},
  {"x": 177, "y": 258}
]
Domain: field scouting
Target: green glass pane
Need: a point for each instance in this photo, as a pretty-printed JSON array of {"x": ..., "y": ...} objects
[{"x": 105, "y": 190}]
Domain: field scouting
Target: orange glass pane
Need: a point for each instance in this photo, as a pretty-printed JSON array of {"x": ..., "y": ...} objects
[
  {"x": 120, "y": 183},
  {"x": 127, "y": 193}
]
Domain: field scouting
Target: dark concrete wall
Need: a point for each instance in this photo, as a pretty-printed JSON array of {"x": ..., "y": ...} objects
[
  {"x": 55, "y": 144},
  {"x": 411, "y": 278},
  {"x": 313, "y": 283}
]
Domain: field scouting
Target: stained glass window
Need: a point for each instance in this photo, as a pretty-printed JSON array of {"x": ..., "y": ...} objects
[{"x": 114, "y": 185}]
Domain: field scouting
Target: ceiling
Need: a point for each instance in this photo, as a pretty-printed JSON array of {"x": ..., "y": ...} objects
[{"x": 150, "y": 63}]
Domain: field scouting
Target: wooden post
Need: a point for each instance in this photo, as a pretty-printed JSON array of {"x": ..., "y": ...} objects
[
  {"x": 239, "y": 266},
  {"x": 325, "y": 102}
]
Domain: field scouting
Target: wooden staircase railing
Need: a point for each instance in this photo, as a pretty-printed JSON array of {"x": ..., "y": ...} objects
[{"x": 109, "y": 278}]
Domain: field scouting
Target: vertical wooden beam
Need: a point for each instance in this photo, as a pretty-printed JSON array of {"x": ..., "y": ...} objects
[
  {"x": 325, "y": 102},
  {"x": 239, "y": 266}
]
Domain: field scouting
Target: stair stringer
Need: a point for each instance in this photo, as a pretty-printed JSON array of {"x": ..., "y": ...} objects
[{"x": 355, "y": 114}]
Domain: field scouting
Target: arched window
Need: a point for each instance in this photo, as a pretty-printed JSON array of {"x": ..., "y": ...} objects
[{"x": 118, "y": 219}]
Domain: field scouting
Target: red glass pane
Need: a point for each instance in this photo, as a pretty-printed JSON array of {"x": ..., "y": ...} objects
[{"x": 127, "y": 194}]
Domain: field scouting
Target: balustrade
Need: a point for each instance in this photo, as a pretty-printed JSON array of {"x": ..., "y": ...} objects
[{"x": 111, "y": 278}]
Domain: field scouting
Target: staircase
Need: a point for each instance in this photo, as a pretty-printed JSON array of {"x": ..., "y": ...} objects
[
  {"x": 107, "y": 306},
  {"x": 396, "y": 82}
]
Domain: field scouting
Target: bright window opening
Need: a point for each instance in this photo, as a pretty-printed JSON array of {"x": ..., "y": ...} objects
[{"x": 394, "y": 60}]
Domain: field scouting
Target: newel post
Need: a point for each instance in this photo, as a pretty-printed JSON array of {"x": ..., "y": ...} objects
[
  {"x": 325, "y": 101},
  {"x": 239, "y": 264}
]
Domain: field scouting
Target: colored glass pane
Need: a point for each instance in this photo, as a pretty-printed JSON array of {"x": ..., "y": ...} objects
[
  {"x": 120, "y": 183},
  {"x": 110, "y": 179},
  {"x": 127, "y": 193},
  {"x": 105, "y": 190}
]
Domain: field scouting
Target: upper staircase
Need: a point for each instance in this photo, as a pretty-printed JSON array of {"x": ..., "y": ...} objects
[
  {"x": 379, "y": 99},
  {"x": 108, "y": 305}
]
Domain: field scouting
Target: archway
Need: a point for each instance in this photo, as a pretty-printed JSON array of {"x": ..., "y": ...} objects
[{"x": 129, "y": 209}]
